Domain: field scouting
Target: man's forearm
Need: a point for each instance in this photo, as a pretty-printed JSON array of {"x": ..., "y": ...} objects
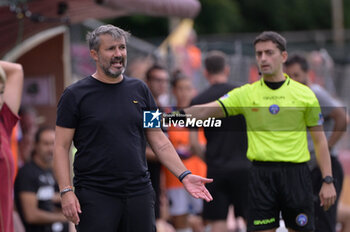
[
  {"x": 323, "y": 158},
  {"x": 324, "y": 162},
  {"x": 321, "y": 150},
  {"x": 204, "y": 111},
  {"x": 62, "y": 167},
  {"x": 169, "y": 158},
  {"x": 43, "y": 217}
]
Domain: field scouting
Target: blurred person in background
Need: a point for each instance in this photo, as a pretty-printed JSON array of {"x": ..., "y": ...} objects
[
  {"x": 335, "y": 123},
  {"x": 185, "y": 211},
  {"x": 36, "y": 190},
  {"x": 189, "y": 60},
  {"x": 11, "y": 84},
  {"x": 226, "y": 160},
  {"x": 321, "y": 67},
  {"x": 157, "y": 80},
  {"x": 29, "y": 124}
]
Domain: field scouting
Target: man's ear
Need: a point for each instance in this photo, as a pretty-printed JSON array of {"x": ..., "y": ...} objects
[
  {"x": 284, "y": 56},
  {"x": 206, "y": 74},
  {"x": 93, "y": 54},
  {"x": 227, "y": 70}
]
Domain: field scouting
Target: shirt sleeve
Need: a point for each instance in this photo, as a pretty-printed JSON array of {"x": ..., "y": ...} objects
[
  {"x": 326, "y": 100},
  {"x": 25, "y": 182},
  {"x": 67, "y": 110},
  {"x": 150, "y": 102},
  {"x": 8, "y": 118},
  {"x": 230, "y": 102},
  {"x": 313, "y": 115}
]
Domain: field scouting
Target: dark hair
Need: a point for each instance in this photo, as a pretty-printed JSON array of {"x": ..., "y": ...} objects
[
  {"x": 274, "y": 37},
  {"x": 215, "y": 62},
  {"x": 40, "y": 131},
  {"x": 177, "y": 76},
  {"x": 298, "y": 59},
  {"x": 151, "y": 69},
  {"x": 93, "y": 38}
]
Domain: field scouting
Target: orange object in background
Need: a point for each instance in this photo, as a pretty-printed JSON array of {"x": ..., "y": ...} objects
[
  {"x": 14, "y": 148},
  {"x": 179, "y": 137}
]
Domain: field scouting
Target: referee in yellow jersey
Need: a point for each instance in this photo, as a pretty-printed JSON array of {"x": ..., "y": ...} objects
[{"x": 278, "y": 113}]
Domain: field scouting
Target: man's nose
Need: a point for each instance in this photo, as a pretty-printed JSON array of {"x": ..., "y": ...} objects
[
  {"x": 263, "y": 56},
  {"x": 117, "y": 53}
]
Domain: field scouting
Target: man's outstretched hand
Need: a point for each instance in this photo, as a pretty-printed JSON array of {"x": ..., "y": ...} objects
[{"x": 195, "y": 185}]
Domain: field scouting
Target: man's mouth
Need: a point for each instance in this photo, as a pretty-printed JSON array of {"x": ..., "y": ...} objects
[
  {"x": 265, "y": 66},
  {"x": 117, "y": 63}
]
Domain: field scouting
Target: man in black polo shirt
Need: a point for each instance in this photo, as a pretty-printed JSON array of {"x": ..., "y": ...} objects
[{"x": 103, "y": 115}]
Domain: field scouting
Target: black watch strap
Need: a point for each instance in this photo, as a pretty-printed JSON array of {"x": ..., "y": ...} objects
[{"x": 328, "y": 179}]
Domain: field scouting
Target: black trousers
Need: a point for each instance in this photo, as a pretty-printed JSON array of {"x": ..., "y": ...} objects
[{"x": 101, "y": 212}]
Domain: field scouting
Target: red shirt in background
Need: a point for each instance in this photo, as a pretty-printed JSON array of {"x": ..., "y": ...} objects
[{"x": 7, "y": 169}]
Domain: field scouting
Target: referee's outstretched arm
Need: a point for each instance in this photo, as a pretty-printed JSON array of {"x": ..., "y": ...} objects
[{"x": 204, "y": 111}]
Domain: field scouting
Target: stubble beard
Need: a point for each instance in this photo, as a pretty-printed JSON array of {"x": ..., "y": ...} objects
[{"x": 115, "y": 74}]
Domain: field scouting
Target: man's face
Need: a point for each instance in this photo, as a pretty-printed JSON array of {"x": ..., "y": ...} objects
[
  {"x": 111, "y": 56},
  {"x": 44, "y": 147},
  {"x": 269, "y": 58},
  {"x": 158, "y": 82},
  {"x": 295, "y": 72},
  {"x": 183, "y": 92}
]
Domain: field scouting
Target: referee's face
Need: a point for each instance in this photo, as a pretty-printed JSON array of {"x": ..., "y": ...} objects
[{"x": 269, "y": 58}]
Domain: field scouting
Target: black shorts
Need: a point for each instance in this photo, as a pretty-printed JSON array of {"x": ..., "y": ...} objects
[
  {"x": 276, "y": 188},
  {"x": 108, "y": 213},
  {"x": 326, "y": 221},
  {"x": 228, "y": 188}
]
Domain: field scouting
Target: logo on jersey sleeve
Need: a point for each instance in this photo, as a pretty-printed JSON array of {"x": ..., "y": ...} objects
[
  {"x": 223, "y": 97},
  {"x": 151, "y": 119},
  {"x": 301, "y": 219},
  {"x": 320, "y": 119},
  {"x": 274, "y": 109}
]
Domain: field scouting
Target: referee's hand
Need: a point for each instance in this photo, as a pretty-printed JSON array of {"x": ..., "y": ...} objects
[
  {"x": 71, "y": 207},
  {"x": 195, "y": 185},
  {"x": 327, "y": 195}
]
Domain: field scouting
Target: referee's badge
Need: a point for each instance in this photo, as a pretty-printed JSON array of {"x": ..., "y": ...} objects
[
  {"x": 301, "y": 219},
  {"x": 320, "y": 119},
  {"x": 223, "y": 97},
  {"x": 274, "y": 109}
]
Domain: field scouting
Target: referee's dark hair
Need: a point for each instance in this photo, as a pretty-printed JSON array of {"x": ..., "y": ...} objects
[
  {"x": 274, "y": 37},
  {"x": 151, "y": 69},
  {"x": 215, "y": 62},
  {"x": 298, "y": 59}
]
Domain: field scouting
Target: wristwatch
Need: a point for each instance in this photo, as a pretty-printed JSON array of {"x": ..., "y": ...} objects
[{"x": 328, "y": 179}]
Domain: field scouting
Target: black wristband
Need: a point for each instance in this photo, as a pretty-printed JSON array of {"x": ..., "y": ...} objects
[{"x": 184, "y": 174}]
